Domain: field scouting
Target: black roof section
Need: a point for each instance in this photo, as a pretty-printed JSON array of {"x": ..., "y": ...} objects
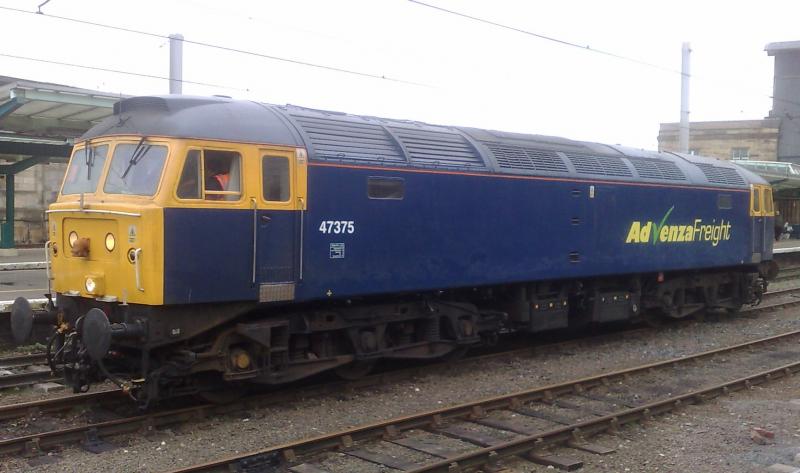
[{"x": 361, "y": 140}]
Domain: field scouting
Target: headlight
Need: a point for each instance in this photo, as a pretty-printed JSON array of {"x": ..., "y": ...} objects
[
  {"x": 110, "y": 242},
  {"x": 90, "y": 285},
  {"x": 73, "y": 237}
]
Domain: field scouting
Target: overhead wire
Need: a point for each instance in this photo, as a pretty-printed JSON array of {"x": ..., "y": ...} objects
[
  {"x": 563, "y": 42},
  {"x": 567, "y": 43},
  {"x": 118, "y": 71},
  {"x": 219, "y": 47}
]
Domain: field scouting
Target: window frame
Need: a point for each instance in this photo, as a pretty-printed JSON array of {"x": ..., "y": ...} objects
[
  {"x": 736, "y": 153},
  {"x": 724, "y": 201},
  {"x": 401, "y": 180},
  {"x": 203, "y": 192},
  {"x": 756, "y": 204},
  {"x": 161, "y": 177},
  {"x": 265, "y": 155},
  {"x": 101, "y": 172},
  {"x": 769, "y": 202}
]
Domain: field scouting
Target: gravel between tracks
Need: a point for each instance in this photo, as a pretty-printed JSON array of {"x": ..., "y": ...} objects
[{"x": 698, "y": 439}]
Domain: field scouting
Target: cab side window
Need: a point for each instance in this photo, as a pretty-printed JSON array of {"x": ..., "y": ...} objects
[
  {"x": 275, "y": 171},
  {"x": 211, "y": 175},
  {"x": 755, "y": 201},
  {"x": 189, "y": 186},
  {"x": 769, "y": 204}
]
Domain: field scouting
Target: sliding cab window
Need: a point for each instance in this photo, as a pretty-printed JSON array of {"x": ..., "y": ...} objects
[
  {"x": 135, "y": 169},
  {"x": 84, "y": 170},
  {"x": 387, "y": 188},
  {"x": 211, "y": 175},
  {"x": 275, "y": 178}
]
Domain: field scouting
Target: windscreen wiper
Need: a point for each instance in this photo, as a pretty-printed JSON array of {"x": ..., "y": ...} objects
[
  {"x": 89, "y": 160},
  {"x": 138, "y": 154}
]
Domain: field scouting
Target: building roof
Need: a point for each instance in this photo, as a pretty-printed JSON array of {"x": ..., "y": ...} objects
[
  {"x": 784, "y": 46},
  {"x": 42, "y": 119},
  {"x": 44, "y": 110},
  {"x": 726, "y": 124}
]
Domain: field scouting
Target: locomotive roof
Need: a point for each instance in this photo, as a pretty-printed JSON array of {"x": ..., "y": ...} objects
[{"x": 361, "y": 140}]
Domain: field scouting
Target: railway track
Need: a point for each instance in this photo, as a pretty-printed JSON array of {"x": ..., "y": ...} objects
[
  {"x": 789, "y": 273},
  {"x": 483, "y": 433},
  {"x": 132, "y": 421},
  {"x": 25, "y": 370}
]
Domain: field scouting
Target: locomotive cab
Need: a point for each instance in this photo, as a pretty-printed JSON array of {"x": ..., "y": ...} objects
[{"x": 133, "y": 254}]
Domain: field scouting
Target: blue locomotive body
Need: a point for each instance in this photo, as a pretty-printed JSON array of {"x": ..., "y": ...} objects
[
  {"x": 453, "y": 230},
  {"x": 297, "y": 241}
]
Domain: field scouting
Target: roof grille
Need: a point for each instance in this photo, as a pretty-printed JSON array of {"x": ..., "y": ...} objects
[
  {"x": 599, "y": 165},
  {"x": 520, "y": 158},
  {"x": 720, "y": 175},
  {"x": 344, "y": 140},
  {"x": 655, "y": 169},
  {"x": 437, "y": 148}
]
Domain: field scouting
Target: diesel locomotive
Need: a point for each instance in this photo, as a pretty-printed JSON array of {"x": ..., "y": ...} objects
[{"x": 207, "y": 242}]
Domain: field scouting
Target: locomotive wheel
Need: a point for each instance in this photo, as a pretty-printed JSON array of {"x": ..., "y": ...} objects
[{"x": 355, "y": 370}]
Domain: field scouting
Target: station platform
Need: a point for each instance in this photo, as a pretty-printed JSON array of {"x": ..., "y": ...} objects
[
  {"x": 786, "y": 246},
  {"x": 24, "y": 255}
]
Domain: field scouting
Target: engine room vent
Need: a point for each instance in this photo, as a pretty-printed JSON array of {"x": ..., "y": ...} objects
[
  {"x": 654, "y": 169},
  {"x": 599, "y": 165},
  {"x": 344, "y": 140},
  {"x": 720, "y": 175},
  {"x": 437, "y": 149},
  {"x": 519, "y": 158}
]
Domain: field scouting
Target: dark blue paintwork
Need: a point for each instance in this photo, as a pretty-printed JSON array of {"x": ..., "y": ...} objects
[
  {"x": 208, "y": 253},
  {"x": 455, "y": 230},
  {"x": 529, "y": 213}
]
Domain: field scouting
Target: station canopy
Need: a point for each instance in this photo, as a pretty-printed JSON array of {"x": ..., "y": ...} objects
[
  {"x": 780, "y": 175},
  {"x": 38, "y": 124},
  {"x": 40, "y": 120}
]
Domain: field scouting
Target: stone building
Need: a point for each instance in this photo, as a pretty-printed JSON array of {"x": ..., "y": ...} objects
[
  {"x": 755, "y": 140},
  {"x": 774, "y": 138},
  {"x": 36, "y": 188}
]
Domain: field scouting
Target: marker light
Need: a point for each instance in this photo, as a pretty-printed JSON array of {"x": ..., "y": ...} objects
[
  {"x": 90, "y": 285},
  {"x": 111, "y": 242},
  {"x": 73, "y": 237}
]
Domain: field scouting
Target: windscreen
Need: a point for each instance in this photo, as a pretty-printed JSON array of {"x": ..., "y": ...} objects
[
  {"x": 84, "y": 170},
  {"x": 135, "y": 169}
]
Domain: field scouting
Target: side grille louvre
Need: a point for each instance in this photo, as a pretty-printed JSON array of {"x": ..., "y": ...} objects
[
  {"x": 720, "y": 175},
  {"x": 654, "y": 169},
  {"x": 437, "y": 148},
  {"x": 342, "y": 140},
  {"x": 599, "y": 165},
  {"x": 522, "y": 158}
]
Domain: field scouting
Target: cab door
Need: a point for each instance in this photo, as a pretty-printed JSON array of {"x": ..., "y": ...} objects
[
  {"x": 277, "y": 214},
  {"x": 757, "y": 214}
]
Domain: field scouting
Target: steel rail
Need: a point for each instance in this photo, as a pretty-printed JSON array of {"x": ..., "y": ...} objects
[
  {"x": 577, "y": 431},
  {"x": 26, "y": 379},
  {"x": 23, "y": 409},
  {"x": 13, "y": 411},
  {"x": 23, "y": 360},
  {"x": 46, "y": 440},
  {"x": 290, "y": 452}
]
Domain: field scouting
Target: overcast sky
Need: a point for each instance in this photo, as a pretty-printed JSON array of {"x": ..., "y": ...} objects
[{"x": 463, "y": 72}]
